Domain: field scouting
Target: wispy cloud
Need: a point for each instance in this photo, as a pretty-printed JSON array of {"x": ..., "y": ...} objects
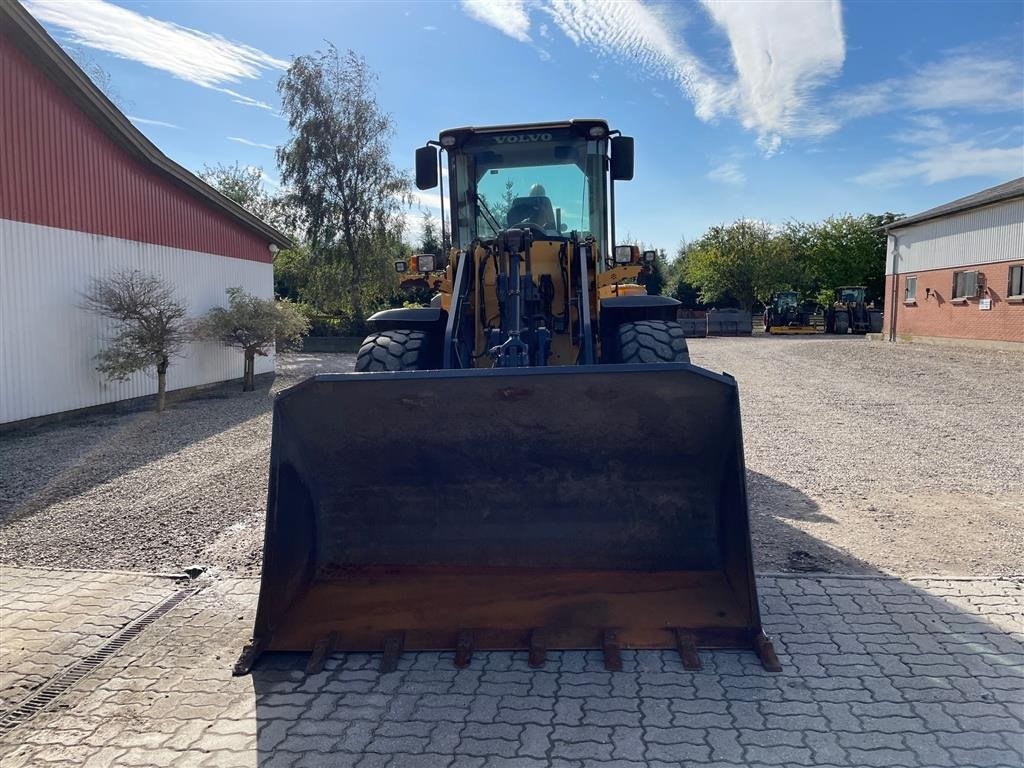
[
  {"x": 509, "y": 16},
  {"x": 935, "y": 154},
  {"x": 250, "y": 143},
  {"x": 208, "y": 60},
  {"x": 728, "y": 173},
  {"x": 947, "y": 162},
  {"x": 148, "y": 121},
  {"x": 239, "y": 98},
  {"x": 781, "y": 51},
  {"x": 979, "y": 81}
]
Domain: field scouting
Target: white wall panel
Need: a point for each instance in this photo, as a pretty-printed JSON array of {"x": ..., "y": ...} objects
[
  {"x": 47, "y": 342},
  {"x": 981, "y": 236}
]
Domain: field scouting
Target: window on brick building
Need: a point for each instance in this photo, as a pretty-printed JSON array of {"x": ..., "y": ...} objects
[
  {"x": 1016, "y": 287},
  {"x": 910, "y": 289},
  {"x": 965, "y": 285}
]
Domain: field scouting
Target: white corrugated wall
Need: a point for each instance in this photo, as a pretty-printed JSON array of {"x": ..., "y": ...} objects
[
  {"x": 981, "y": 236},
  {"x": 47, "y": 342}
]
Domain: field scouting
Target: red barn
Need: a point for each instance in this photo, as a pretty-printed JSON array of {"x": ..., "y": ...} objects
[{"x": 83, "y": 193}]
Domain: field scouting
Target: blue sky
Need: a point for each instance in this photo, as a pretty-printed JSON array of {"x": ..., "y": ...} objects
[{"x": 767, "y": 110}]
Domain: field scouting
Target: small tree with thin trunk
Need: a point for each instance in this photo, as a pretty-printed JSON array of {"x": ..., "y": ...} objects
[
  {"x": 152, "y": 326},
  {"x": 252, "y": 325}
]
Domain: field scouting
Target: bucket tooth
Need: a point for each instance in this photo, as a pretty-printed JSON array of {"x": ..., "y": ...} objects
[
  {"x": 324, "y": 647},
  {"x": 612, "y": 651},
  {"x": 394, "y": 644},
  {"x": 463, "y": 648},
  {"x": 766, "y": 653},
  {"x": 248, "y": 657},
  {"x": 686, "y": 644},
  {"x": 538, "y": 649}
]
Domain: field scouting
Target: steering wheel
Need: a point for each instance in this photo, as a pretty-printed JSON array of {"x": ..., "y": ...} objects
[{"x": 533, "y": 226}]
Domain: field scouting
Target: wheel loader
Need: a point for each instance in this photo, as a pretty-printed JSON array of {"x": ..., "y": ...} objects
[
  {"x": 529, "y": 463},
  {"x": 851, "y": 313}
]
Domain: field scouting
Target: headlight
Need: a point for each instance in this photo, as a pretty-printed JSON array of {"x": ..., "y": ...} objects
[
  {"x": 426, "y": 262},
  {"x": 401, "y": 266},
  {"x": 623, "y": 254},
  {"x": 447, "y": 141},
  {"x": 597, "y": 131},
  {"x": 650, "y": 256}
]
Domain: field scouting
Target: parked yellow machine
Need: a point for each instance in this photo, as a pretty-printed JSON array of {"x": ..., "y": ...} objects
[{"x": 529, "y": 463}]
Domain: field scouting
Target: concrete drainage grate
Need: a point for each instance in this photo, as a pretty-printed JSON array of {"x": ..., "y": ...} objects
[{"x": 59, "y": 684}]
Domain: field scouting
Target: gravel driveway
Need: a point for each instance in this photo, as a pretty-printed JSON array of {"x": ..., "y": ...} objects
[{"x": 862, "y": 457}]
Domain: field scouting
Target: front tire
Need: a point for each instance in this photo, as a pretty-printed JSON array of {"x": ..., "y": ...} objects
[
  {"x": 652, "y": 341},
  {"x": 395, "y": 351}
]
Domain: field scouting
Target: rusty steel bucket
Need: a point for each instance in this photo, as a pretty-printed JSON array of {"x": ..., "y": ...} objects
[{"x": 594, "y": 507}]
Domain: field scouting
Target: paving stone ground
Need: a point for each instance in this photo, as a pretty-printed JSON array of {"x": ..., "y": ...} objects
[
  {"x": 877, "y": 672},
  {"x": 50, "y": 619}
]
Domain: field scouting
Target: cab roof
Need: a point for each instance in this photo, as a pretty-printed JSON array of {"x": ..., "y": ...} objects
[{"x": 580, "y": 126}]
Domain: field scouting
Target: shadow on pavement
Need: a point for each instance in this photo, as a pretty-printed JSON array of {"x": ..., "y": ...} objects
[{"x": 876, "y": 671}]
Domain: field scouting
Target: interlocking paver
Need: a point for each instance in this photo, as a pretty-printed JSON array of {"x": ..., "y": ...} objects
[{"x": 878, "y": 672}]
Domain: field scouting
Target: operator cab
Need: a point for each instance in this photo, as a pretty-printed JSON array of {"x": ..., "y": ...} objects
[{"x": 549, "y": 178}]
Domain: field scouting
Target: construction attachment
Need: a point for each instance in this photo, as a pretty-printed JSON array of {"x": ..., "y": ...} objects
[{"x": 536, "y": 509}]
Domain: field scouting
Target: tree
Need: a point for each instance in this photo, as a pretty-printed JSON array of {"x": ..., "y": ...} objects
[
  {"x": 654, "y": 276},
  {"x": 499, "y": 208},
  {"x": 152, "y": 326},
  {"x": 843, "y": 250},
  {"x": 430, "y": 243},
  {"x": 100, "y": 77},
  {"x": 252, "y": 325},
  {"x": 747, "y": 260},
  {"x": 245, "y": 185},
  {"x": 337, "y": 165}
]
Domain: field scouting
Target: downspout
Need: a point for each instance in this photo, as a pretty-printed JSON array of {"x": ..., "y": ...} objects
[{"x": 895, "y": 287}]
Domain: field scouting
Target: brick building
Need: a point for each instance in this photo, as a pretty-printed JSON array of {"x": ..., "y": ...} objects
[{"x": 957, "y": 271}]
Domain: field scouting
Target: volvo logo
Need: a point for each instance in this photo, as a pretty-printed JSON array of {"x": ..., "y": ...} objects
[{"x": 522, "y": 138}]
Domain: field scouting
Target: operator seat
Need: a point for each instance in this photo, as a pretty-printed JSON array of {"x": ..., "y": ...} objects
[{"x": 537, "y": 209}]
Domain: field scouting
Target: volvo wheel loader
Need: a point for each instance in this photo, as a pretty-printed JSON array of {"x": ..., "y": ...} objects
[{"x": 529, "y": 463}]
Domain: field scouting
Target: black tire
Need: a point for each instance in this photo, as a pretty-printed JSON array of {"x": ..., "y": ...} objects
[
  {"x": 395, "y": 351},
  {"x": 652, "y": 341}
]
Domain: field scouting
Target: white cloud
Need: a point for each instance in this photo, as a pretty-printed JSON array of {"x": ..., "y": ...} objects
[
  {"x": 781, "y": 51},
  {"x": 967, "y": 80},
  {"x": 198, "y": 57},
  {"x": 728, "y": 173},
  {"x": 508, "y": 16},
  {"x": 148, "y": 121},
  {"x": 239, "y": 98},
  {"x": 945, "y": 162},
  {"x": 960, "y": 79},
  {"x": 250, "y": 143},
  {"x": 633, "y": 32},
  {"x": 925, "y": 130},
  {"x": 935, "y": 153}
]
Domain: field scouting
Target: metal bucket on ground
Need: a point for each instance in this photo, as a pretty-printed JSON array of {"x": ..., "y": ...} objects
[{"x": 532, "y": 508}]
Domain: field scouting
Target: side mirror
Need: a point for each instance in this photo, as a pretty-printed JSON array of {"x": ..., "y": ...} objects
[
  {"x": 563, "y": 227},
  {"x": 426, "y": 167},
  {"x": 622, "y": 158}
]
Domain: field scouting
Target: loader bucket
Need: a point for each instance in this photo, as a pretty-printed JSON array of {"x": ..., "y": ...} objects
[{"x": 543, "y": 508}]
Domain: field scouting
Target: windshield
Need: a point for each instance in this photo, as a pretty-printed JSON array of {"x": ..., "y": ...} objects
[{"x": 554, "y": 186}]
